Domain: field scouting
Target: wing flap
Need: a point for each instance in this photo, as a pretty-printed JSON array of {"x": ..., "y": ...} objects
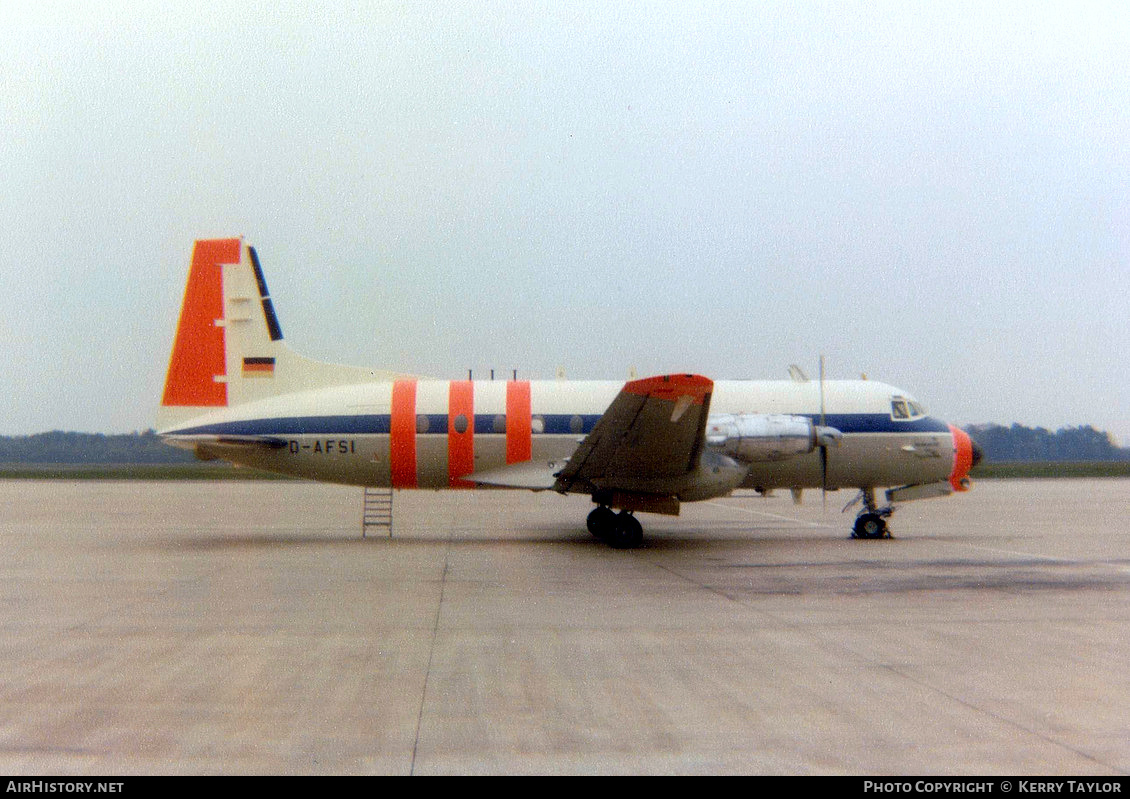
[{"x": 537, "y": 476}]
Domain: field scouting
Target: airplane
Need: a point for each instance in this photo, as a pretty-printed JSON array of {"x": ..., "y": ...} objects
[{"x": 235, "y": 391}]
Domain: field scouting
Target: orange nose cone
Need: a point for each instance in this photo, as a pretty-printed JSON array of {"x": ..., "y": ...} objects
[{"x": 963, "y": 460}]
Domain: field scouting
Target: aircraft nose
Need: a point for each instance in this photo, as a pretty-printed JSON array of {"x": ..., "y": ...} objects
[{"x": 965, "y": 457}]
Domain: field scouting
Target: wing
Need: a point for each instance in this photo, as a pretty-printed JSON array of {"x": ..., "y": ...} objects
[{"x": 651, "y": 435}]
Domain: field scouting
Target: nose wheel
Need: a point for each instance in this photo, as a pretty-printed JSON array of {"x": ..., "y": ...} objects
[
  {"x": 870, "y": 525},
  {"x": 619, "y": 530}
]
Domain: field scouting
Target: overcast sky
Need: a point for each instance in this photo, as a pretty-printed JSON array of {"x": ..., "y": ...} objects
[{"x": 936, "y": 194}]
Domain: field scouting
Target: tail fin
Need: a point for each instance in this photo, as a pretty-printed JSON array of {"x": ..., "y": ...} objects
[{"x": 229, "y": 346}]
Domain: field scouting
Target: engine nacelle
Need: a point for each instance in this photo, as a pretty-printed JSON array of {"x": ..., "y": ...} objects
[{"x": 756, "y": 437}]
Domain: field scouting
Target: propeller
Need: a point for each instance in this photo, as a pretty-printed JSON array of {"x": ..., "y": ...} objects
[
  {"x": 823, "y": 446},
  {"x": 826, "y": 436}
]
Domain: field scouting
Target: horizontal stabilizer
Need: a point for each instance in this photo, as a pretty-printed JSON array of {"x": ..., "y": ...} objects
[{"x": 256, "y": 442}]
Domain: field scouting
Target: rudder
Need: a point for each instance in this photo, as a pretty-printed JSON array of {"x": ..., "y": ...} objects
[{"x": 198, "y": 355}]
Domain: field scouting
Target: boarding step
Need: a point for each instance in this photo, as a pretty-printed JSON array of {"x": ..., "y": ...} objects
[{"x": 376, "y": 510}]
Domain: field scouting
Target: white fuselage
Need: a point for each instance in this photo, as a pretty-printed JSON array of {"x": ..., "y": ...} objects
[{"x": 434, "y": 433}]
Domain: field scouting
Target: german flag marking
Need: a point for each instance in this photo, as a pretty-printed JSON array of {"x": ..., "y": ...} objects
[{"x": 258, "y": 367}]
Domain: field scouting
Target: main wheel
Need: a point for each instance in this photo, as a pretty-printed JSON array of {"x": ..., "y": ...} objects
[
  {"x": 869, "y": 525},
  {"x": 626, "y": 533},
  {"x": 601, "y": 521}
]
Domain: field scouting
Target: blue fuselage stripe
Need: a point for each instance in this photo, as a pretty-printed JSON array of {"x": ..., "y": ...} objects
[{"x": 551, "y": 424}]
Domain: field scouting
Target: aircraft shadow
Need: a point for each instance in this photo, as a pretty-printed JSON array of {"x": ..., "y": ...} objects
[{"x": 568, "y": 536}]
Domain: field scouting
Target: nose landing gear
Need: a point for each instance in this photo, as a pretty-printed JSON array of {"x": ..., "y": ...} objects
[
  {"x": 619, "y": 530},
  {"x": 871, "y": 522}
]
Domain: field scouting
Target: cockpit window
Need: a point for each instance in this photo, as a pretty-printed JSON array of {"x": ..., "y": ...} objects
[{"x": 902, "y": 408}]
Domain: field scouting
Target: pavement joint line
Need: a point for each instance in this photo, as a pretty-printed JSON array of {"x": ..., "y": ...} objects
[
  {"x": 1037, "y": 556},
  {"x": 431, "y": 654},
  {"x": 718, "y": 592},
  {"x": 993, "y": 715}
]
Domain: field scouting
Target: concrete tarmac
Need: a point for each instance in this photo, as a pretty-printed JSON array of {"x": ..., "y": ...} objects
[{"x": 245, "y": 627}]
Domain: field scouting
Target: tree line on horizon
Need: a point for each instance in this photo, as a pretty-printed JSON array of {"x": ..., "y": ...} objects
[
  {"x": 58, "y": 447},
  {"x": 1001, "y": 444},
  {"x": 1019, "y": 443}
]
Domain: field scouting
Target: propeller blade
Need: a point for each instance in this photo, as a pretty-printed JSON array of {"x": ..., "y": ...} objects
[
  {"x": 823, "y": 447},
  {"x": 824, "y": 475}
]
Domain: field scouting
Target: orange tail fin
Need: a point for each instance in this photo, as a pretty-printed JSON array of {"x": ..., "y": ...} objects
[{"x": 198, "y": 350}]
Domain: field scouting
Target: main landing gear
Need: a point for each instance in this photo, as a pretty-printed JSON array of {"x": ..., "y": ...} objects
[
  {"x": 871, "y": 522},
  {"x": 619, "y": 530}
]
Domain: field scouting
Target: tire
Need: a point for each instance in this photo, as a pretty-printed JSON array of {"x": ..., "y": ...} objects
[
  {"x": 627, "y": 532},
  {"x": 869, "y": 525},
  {"x": 601, "y": 521}
]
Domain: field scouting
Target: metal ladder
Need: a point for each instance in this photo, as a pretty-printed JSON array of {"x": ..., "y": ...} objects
[{"x": 376, "y": 509}]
